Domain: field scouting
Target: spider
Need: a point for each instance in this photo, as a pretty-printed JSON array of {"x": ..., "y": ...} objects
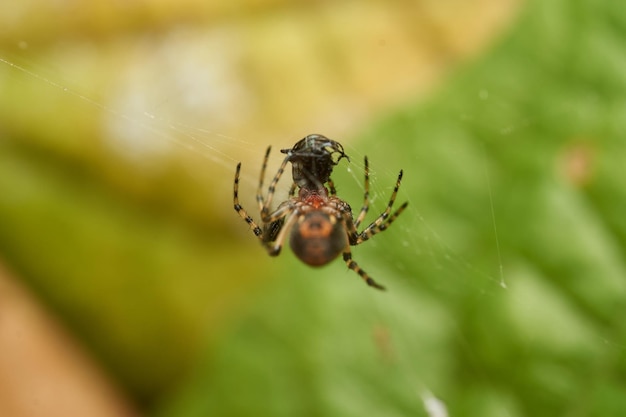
[{"x": 322, "y": 225}]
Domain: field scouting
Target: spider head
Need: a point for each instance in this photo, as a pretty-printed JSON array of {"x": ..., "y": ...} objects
[
  {"x": 318, "y": 238},
  {"x": 313, "y": 159}
]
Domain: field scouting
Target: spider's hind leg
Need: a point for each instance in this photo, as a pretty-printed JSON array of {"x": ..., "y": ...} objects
[{"x": 347, "y": 257}]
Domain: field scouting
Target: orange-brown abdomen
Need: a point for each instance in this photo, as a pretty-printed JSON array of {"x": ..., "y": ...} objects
[{"x": 317, "y": 239}]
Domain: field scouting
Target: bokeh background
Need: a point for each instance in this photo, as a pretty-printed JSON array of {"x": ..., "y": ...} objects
[{"x": 129, "y": 286}]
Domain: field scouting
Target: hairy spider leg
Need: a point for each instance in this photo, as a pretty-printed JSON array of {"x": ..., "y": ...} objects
[
  {"x": 264, "y": 204},
  {"x": 240, "y": 210},
  {"x": 259, "y": 190},
  {"x": 331, "y": 186},
  {"x": 273, "y": 248},
  {"x": 347, "y": 257},
  {"x": 292, "y": 190},
  {"x": 383, "y": 221},
  {"x": 371, "y": 231}
]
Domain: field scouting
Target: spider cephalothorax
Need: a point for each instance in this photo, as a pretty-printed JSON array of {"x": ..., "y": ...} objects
[{"x": 322, "y": 225}]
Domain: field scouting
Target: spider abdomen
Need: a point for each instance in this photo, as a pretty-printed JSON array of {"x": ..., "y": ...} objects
[{"x": 318, "y": 238}]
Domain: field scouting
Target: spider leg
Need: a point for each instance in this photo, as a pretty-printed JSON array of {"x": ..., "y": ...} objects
[
  {"x": 376, "y": 228},
  {"x": 282, "y": 211},
  {"x": 331, "y": 186},
  {"x": 240, "y": 210},
  {"x": 383, "y": 221},
  {"x": 347, "y": 257},
  {"x": 292, "y": 190},
  {"x": 273, "y": 248},
  {"x": 366, "y": 199},
  {"x": 259, "y": 190},
  {"x": 265, "y": 205}
]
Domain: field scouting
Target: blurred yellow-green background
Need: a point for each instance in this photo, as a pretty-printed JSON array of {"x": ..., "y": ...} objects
[{"x": 129, "y": 286}]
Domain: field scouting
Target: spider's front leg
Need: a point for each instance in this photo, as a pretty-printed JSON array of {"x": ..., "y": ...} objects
[
  {"x": 264, "y": 205},
  {"x": 273, "y": 233},
  {"x": 383, "y": 221},
  {"x": 240, "y": 210}
]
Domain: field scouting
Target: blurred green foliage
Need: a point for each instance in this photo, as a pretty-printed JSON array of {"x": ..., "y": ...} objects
[
  {"x": 535, "y": 130},
  {"x": 139, "y": 285}
]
